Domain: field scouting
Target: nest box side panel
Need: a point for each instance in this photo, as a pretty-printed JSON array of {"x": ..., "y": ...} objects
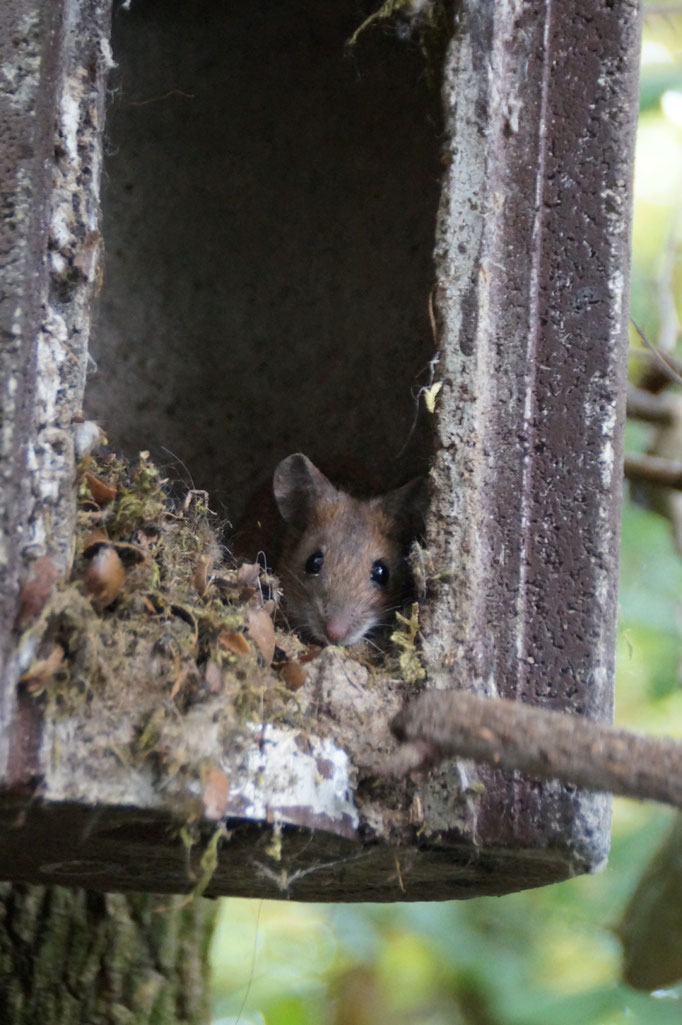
[
  {"x": 533, "y": 270},
  {"x": 54, "y": 57}
]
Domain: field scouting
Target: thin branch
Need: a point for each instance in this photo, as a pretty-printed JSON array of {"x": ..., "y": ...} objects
[
  {"x": 643, "y": 405},
  {"x": 654, "y": 376},
  {"x": 665, "y": 361},
  {"x": 653, "y": 469},
  {"x": 511, "y": 735}
]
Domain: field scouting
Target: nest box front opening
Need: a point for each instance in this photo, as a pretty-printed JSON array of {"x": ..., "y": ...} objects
[{"x": 269, "y": 205}]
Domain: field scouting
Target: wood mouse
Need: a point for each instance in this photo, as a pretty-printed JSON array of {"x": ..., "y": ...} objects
[{"x": 342, "y": 564}]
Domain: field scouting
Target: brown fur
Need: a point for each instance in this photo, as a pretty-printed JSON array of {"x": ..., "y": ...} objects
[{"x": 341, "y": 603}]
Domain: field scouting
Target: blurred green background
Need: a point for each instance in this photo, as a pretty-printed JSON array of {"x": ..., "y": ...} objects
[{"x": 550, "y": 955}]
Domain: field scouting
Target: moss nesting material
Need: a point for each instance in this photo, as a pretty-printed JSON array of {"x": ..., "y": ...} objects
[
  {"x": 160, "y": 654},
  {"x": 156, "y": 621}
]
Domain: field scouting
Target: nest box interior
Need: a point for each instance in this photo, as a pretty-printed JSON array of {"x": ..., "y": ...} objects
[{"x": 269, "y": 203}]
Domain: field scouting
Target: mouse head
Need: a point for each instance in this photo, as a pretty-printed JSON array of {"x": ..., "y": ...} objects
[{"x": 343, "y": 565}]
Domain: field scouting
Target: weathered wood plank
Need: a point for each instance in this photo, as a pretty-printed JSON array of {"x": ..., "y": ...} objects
[{"x": 532, "y": 261}]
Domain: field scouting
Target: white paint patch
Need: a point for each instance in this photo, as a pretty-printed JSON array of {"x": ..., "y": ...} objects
[
  {"x": 51, "y": 354},
  {"x": 70, "y": 118},
  {"x": 59, "y": 264},
  {"x": 60, "y": 225},
  {"x": 17, "y": 321},
  {"x": 107, "y": 53},
  {"x": 276, "y": 774},
  {"x": 617, "y": 288},
  {"x": 606, "y": 464},
  {"x": 53, "y": 450}
]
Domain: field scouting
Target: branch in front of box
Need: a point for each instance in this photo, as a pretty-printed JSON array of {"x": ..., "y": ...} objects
[{"x": 510, "y": 735}]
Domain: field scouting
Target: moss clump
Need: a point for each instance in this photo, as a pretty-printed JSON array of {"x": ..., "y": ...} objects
[
  {"x": 153, "y": 627},
  {"x": 404, "y": 638}
]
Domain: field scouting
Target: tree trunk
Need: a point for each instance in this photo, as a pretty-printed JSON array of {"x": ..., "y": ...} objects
[{"x": 71, "y": 956}]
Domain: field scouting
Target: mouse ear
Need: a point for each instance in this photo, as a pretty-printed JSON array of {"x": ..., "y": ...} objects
[
  {"x": 298, "y": 486},
  {"x": 407, "y": 506}
]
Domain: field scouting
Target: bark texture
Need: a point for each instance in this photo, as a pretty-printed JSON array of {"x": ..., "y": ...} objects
[{"x": 74, "y": 957}]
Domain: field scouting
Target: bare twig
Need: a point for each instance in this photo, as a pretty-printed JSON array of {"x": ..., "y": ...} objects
[
  {"x": 511, "y": 735},
  {"x": 643, "y": 405},
  {"x": 653, "y": 469},
  {"x": 654, "y": 376},
  {"x": 665, "y": 361}
]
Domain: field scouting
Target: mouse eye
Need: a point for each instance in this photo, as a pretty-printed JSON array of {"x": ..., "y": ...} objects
[
  {"x": 314, "y": 563},
  {"x": 379, "y": 573}
]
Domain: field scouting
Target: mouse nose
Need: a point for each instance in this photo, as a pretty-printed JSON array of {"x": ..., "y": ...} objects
[{"x": 337, "y": 629}]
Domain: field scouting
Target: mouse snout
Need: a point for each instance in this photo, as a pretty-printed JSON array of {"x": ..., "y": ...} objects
[{"x": 336, "y": 628}]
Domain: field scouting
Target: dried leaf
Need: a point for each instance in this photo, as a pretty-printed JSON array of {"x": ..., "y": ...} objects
[
  {"x": 200, "y": 578},
  {"x": 179, "y": 681},
  {"x": 312, "y": 652},
  {"x": 94, "y": 537},
  {"x": 41, "y": 672},
  {"x": 293, "y": 674},
  {"x": 145, "y": 539},
  {"x": 214, "y": 677},
  {"x": 430, "y": 395},
  {"x": 216, "y": 789},
  {"x": 261, "y": 631},
  {"x": 36, "y": 590},
  {"x": 104, "y": 575},
  {"x": 230, "y": 640},
  {"x": 102, "y": 492},
  {"x": 248, "y": 580}
]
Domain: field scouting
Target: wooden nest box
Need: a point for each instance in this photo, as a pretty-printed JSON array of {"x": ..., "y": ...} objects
[{"x": 275, "y": 211}]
